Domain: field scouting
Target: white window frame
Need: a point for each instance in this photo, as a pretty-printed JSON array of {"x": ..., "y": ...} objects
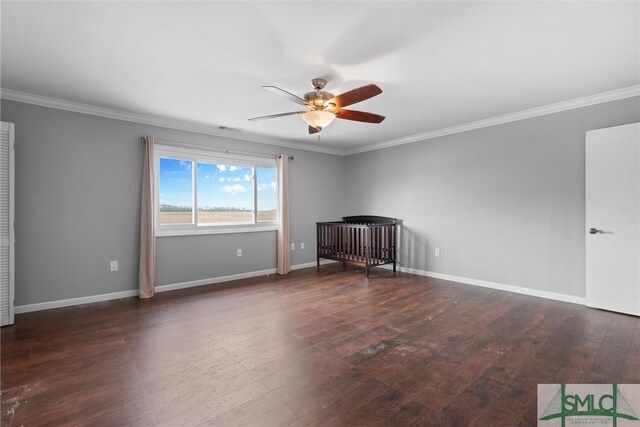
[{"x": 205, "y": 156}]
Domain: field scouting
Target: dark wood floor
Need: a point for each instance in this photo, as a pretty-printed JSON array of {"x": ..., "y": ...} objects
[{"x": 328, "y": 348}]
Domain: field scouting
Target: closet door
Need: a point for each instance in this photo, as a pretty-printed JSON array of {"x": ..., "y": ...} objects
[
  {"x": 6, "y": 223},
  {"x": 613, "y": 218}
]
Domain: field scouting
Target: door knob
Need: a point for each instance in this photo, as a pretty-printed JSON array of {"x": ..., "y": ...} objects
[{"x": 595, "y": 231}]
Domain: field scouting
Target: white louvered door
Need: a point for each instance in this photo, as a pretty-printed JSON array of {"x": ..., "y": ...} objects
[{"x": 6, "y": 223}]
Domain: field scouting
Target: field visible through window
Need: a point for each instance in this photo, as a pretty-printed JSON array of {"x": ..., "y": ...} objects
[{"x": 215, "y": 217}]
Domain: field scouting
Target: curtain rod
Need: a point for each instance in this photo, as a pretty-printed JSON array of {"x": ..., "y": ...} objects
[{"x": 217, "y": 150}]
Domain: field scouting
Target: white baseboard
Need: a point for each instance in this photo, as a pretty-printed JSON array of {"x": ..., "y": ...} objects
[
  {"x": 213, "y": 280},
  {"x": 525, "y": 291},
  {"x": 73, "y": 301},
  {"x": 210, "y": 281},
  {"x": 312, "y": 264},
  {"x": 27, "y": 308},
  {"x": 493, "y": 285},
  {"x": 422, "y": 273}
]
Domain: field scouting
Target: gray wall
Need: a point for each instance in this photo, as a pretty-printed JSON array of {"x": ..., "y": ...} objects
[
  {"x": 504, "y": 204},
  {"x": 77, "y": 207}
]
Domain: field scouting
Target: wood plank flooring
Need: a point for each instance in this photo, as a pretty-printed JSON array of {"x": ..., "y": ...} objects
[{"x": 312, "y": 348}]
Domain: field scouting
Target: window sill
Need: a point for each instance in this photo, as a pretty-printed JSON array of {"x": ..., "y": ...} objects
[{"x": 215, "y": 230}]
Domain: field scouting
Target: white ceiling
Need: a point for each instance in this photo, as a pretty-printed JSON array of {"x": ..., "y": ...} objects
[{"x": 439, "y": 64}]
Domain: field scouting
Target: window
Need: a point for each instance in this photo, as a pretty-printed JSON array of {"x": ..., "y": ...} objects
[
  {"x": 199, "y": 192},
  {"x": 267, "y": 196},
  {"x": 176, "y": 191}
]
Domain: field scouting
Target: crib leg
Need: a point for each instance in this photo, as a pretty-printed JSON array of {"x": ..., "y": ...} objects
[
  {"x": 367, "y": 270},
  {"x": 318, "y": 266},
  {"x": 394, "y": 266}
]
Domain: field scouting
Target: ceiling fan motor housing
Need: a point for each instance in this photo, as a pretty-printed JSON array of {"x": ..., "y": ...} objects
[{"x": 318, "y": 99}]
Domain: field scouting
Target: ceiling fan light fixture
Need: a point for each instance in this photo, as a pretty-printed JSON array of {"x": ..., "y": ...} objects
[{"x": 318, "y": 118}]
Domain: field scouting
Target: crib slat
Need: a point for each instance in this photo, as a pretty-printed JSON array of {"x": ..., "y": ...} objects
[
  {"x": 355, "y": 244},
  {"x": 334, "y": 240},
  {"x": 377, "y": 243},
  {"x": 372, "y": 244},
  {"x": 379, "y": 247},
  {"x": 359, "y": 244},
  {"x": 381, "y": 244}
]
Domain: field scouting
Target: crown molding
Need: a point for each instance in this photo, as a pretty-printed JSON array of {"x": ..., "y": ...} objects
[
  {"x": 586, "y": 101},
  {"x": 160, "y": 121},
  {"x": 213, "y": 130}
]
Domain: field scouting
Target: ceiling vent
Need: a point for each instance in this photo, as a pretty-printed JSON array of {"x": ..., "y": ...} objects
[{"x": 229, "y": 129}]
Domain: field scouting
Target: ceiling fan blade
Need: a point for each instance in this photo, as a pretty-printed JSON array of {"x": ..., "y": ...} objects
[
  {"x": 288, "y": 95},
  {"x": 313, "y": 130},
  {"x": 273, "y": 116},
  {"x": 358, "y": 116},
  {"x": 356, "y": 95}
]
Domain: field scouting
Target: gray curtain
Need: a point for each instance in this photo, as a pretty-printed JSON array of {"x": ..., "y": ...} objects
[
  {"x": 284, "y": 256},
  {"x": 147, "y": 271}
]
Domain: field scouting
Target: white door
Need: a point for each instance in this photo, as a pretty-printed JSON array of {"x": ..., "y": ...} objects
[
  {"x": 613, "y": 218},
  {"x": 6, "y": 223}
]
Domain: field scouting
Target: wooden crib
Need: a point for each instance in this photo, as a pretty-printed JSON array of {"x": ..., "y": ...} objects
[{"x": 365, "y": 240}]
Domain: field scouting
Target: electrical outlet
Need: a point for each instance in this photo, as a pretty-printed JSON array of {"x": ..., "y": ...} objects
[
  {"x": 437, "y": 251},
  {"x": 301, "y": 245},
  {"x": 293, "y": 246},
  {"x": 113, "y": 266},
  {"x": 239, "y": 253}
]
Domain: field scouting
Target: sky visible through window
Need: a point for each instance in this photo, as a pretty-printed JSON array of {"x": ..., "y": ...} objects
[
  {"x": 219, "y": 186},
  {"x": 267, "y": 195},
  {"x": 224, "y": 186},
  {"x": 176, "y": 182}
]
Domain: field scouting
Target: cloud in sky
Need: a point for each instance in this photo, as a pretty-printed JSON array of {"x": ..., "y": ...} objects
[
  {"x": 233, "y": 168},
  {"x": 270, "y": 186},
  {"x": 221, "y": 168},
  {"x": 233, "y": 189},
  {"x": 247, "y": 177},
  {"x": 221, "y": 179}
]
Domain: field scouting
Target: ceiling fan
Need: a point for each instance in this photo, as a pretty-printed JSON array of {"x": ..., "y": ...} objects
[{"x": 323, "y": 107}]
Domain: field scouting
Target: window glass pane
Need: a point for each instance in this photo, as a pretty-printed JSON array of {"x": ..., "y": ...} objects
[
  {"x": 225, "y": 193},
  {"x": 176, "y": 191},
  {"x": 267, "y": 193}
]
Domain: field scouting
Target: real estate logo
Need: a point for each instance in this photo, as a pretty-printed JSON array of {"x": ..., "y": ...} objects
[{"x": 614, "y": 405}]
